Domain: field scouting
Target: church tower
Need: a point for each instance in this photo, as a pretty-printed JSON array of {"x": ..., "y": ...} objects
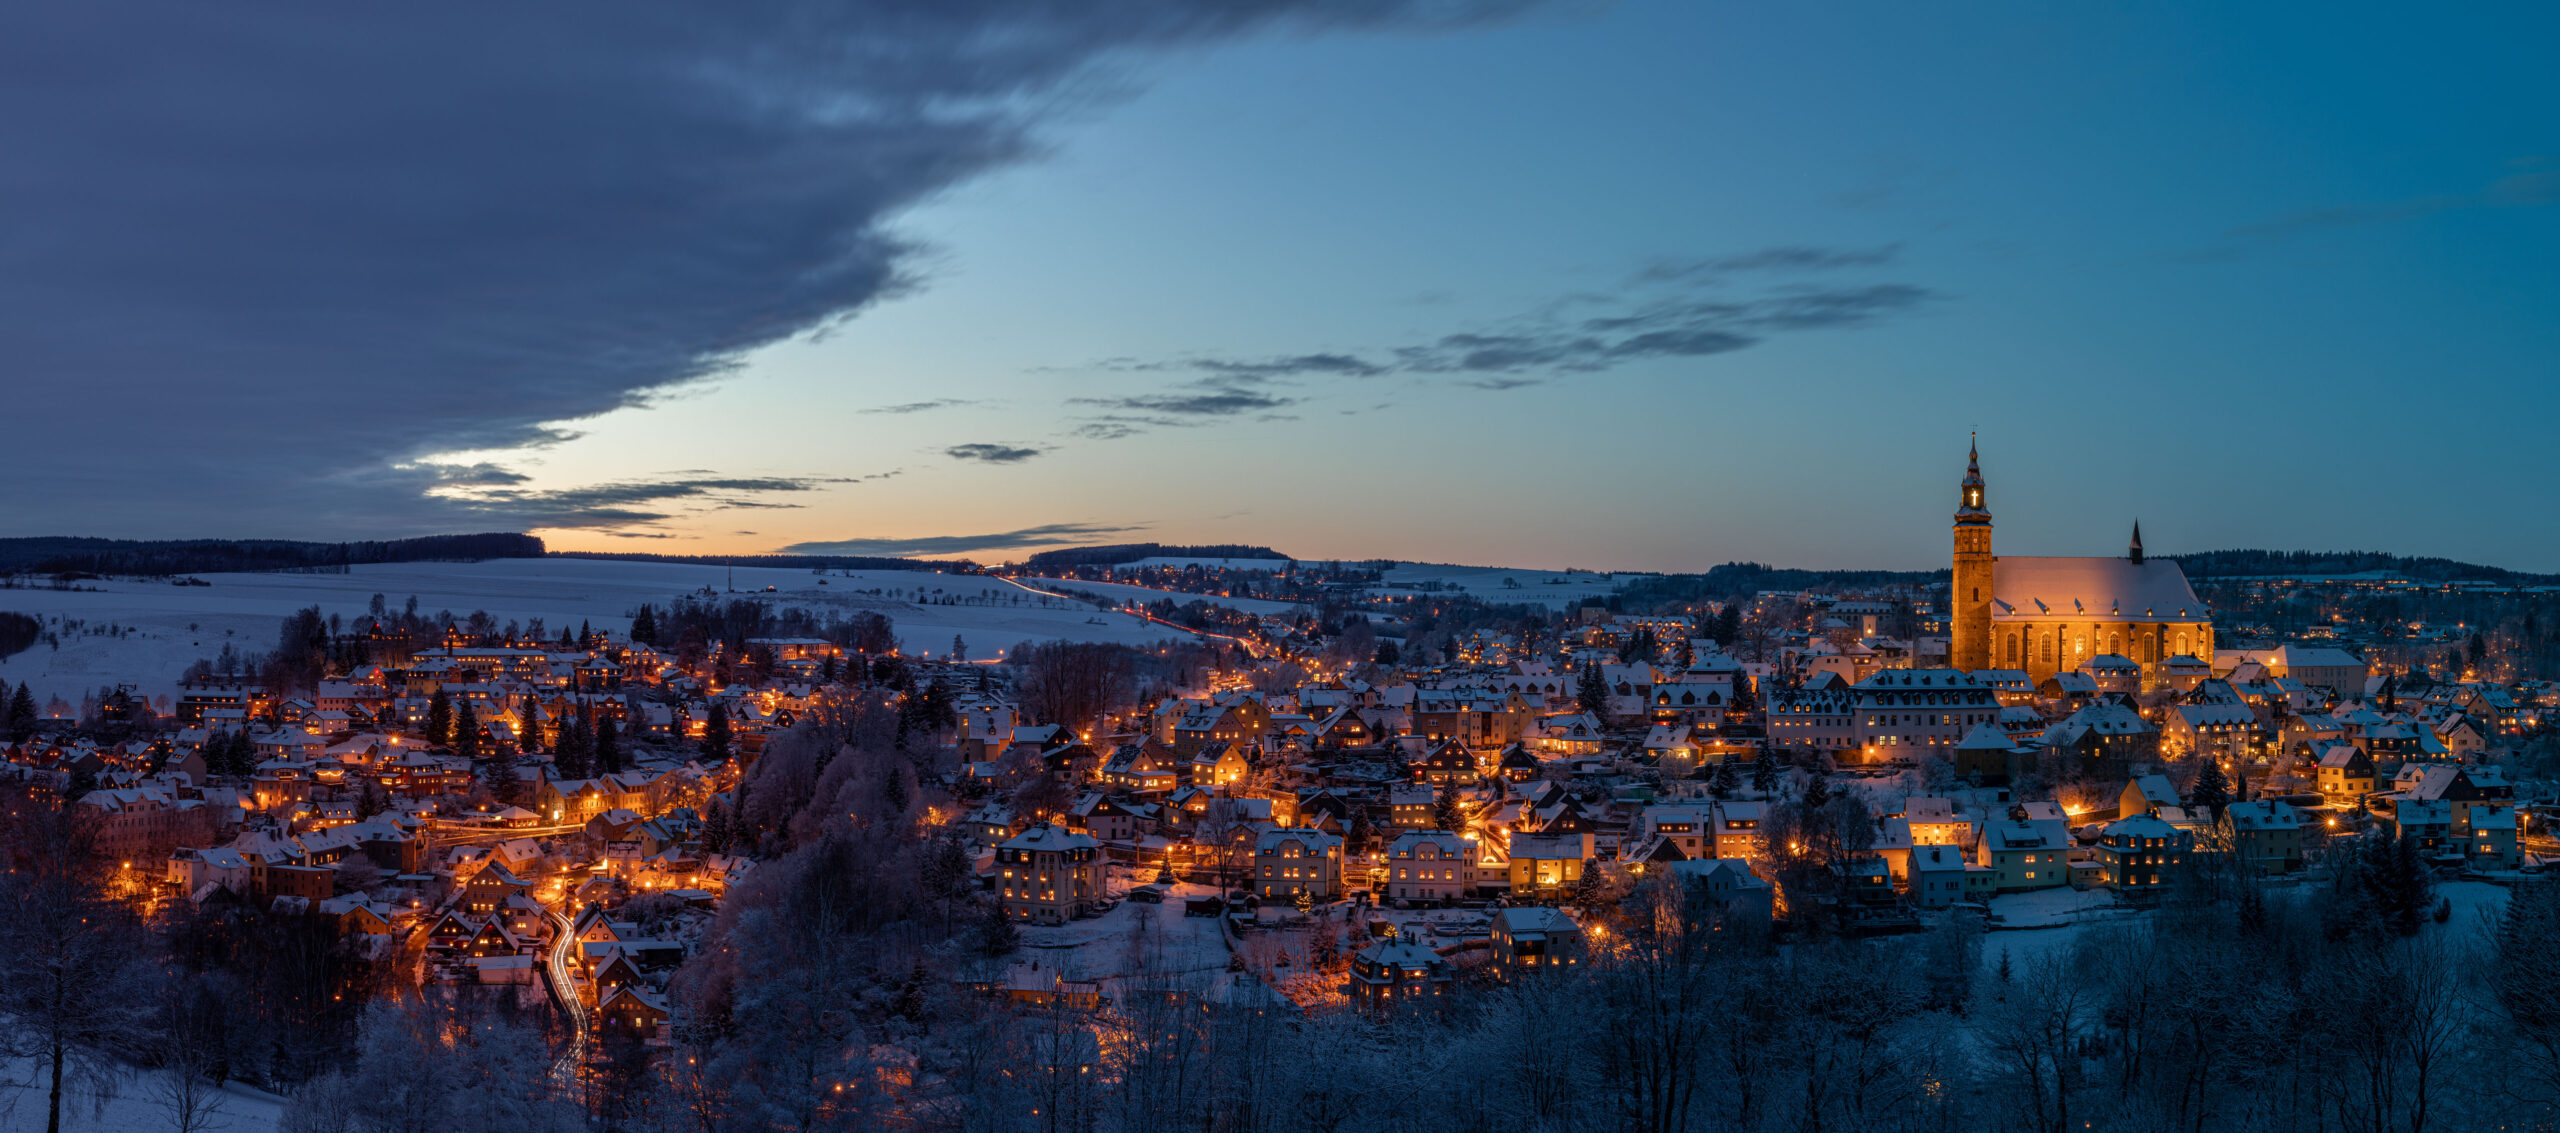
[{"x": 1970, "y": 597}]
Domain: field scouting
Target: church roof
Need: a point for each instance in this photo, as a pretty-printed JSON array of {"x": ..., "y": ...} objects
[{"x": 2092, "y": 588}]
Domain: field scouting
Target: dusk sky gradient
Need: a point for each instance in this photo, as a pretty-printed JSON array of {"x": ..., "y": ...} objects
[{"x": 1645, "y": 285}]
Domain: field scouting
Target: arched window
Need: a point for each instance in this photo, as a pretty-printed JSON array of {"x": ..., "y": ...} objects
[
  {"x": 2013, "y": 648},
  {"x": 2048, "y": 647}
]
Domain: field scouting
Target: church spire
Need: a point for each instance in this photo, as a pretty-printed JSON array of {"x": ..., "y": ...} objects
[
  {"x": 2136, "y": 552},
  {"x": 1969, "y": 507}
]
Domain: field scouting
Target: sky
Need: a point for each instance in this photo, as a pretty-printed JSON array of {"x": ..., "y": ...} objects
[{"x": 1649, "y": 285}]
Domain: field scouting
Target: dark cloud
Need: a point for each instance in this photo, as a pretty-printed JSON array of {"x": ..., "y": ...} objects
[
  {"x": 471, "y": 224},
  {"x": 1212, "y": 401},
  {"x": 1112, "y": 427},
  {"x": 1045, "y": 535},
  {"x": 2532, "y": 186},
  {"x": 1791, "y": 258},
  {"x": 1669, "y": 309},
  {"x": 992, "y": 454},
  {"x": 620, "y": 503},
  {"x": 1329, "y": 365},
  {"x": 920, "y": 406}
]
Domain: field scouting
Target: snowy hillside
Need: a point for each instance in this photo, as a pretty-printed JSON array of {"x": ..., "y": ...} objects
[
  {"x": 1123, "y": 592},
  {"x": 133, "y": 1105},
  {"x": 1551, "y": 588},
  {"x": 159, "y": 628}
]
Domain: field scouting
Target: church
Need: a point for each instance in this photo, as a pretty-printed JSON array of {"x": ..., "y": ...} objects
[{"x": 2054, "y": 614}]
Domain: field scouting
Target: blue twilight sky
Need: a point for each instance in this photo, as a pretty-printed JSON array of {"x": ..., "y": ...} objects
[{"x": 1645, "y": 285}]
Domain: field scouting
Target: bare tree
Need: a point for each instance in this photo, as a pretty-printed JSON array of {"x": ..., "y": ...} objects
[
  {"x": 186, "y": 1084},
  {"x": 1076, "y": 684},
  {"x": 67, "y": 956},
  {"x": 2032, "y": 1037}
]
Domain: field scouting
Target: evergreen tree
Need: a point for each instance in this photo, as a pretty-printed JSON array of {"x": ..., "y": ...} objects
[
  {"x": 997, "y": 934},
  {"x": 22, "y": 712},
  {"x": 1639, "y": 647},
  {"x": 2406, "y": 887},
  {"x": 500, "y": 769},
  {"x": 2004, "y": 973},
  {"x": 608, "y": 747},
  {"x": 2211, "y": 791},
  {"x": 893, "y": 790},
  {"x": 1728, "y": 624},
  {"x": 572, "y": 757},
  {"x": 1746, "y": 699},
  {"x": 716, "y": 830},
  {"x": 1590, "y": 888},
  {"x": 959, "y": 648},
  {"x": 715, "y": 733},
  {"x": 1725, "y": 781},
  {"x": 1817, "y": 792},
  {"x": 466, "y": 732},
  {"x": 1764, "y": 772},
  {"x": 1684, "y": 655},
  {"x": 440, "y": 719},
  {"x": 1591, "y": 690},
  {"x": 1447, "y": 813},
  {"x": 1387, "y": 654},
  {"x": 644, "y": 625}
]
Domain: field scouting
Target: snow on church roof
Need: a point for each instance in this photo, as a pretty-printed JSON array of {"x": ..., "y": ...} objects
[{"x": 2092, "y": 588}]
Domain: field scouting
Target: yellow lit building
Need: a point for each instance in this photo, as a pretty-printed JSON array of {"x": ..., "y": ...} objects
[{"x": 2053, "y": 614}]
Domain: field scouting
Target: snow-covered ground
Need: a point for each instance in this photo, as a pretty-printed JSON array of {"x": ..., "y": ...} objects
[
  {"x": 1136, "y": 937},
  {"x": 1123, "y": 592},
  {"x": 2050, "y": 922},
  {"x": 165, "y": 627},
  {"x": 1554, "y": 588},
  {"x": 132, "y": 1107}
]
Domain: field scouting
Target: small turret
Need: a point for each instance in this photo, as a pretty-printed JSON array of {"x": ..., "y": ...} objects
[{"x": 1969, "y": 507}]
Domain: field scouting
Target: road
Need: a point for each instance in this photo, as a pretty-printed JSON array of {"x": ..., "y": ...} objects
[
  {"x": 459, "y": 834},
  {"x": 1249, "y": 647},
  {"x": 565, "y": 990}
]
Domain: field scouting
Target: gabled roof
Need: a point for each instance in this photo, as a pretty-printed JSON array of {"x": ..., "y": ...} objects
[
  {"x": 2140, "y": 826},
  {"x": 2080, "y": 588},
  {"x": 1049, "y": 838}
]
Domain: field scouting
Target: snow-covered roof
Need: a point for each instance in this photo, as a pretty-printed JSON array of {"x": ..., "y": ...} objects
[{"x": 2079, "y": 588}]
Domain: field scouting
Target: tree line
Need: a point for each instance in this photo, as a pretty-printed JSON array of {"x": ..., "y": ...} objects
[{"x": 58, "y": 555}]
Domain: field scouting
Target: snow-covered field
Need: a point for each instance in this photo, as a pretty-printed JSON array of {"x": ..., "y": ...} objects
[
  {"x": 1553, "y": 588},
  {"x": 165, "y": 627},
  {"x": 1136, "y": 938},
  {"x": 131, "y": 1107},
  {"x": 2065, "y": 916},
  {"x": 1123, "y": 592}
]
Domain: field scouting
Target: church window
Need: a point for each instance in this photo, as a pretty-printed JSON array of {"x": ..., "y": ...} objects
[
  {"x": 2013, "y": 649},
  {"x": 2048, "y": 648}
]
